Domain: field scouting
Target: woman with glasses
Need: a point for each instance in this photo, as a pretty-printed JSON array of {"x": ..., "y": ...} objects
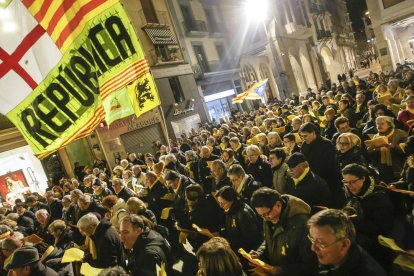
[
  {"x": 349, "y": 150},
  {"x": 371, "y": 208}
]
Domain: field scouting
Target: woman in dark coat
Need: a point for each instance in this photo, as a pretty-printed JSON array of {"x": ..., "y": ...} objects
[
  {"x": 64, "y": 237},
  {"x": 349, "y": 150},
  {"x": 372, "y": 208},
  {"x": 241, "y": 222}
]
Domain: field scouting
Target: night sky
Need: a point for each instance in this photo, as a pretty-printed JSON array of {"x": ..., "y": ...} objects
[{"x": 357, "y": 9}]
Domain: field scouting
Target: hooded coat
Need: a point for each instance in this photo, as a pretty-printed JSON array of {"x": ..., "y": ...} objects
[{"x": 286, "y": 244}]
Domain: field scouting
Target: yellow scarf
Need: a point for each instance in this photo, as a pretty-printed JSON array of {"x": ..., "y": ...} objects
[
  {"x": 410, "y": 110},
  {"x": 386, "y": 152},
  {"x": 301, "y": 177},
  {"x": 91, "y": 246}
]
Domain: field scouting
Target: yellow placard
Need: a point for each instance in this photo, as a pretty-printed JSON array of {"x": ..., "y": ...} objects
[
  {"x": 73, "y": 255},
  {"x": 165, "y": 213},
  {"x": 33, "y": 238},
  {"x": 377, "y": 142},
  {"x": 249, "y": 257},
  {"x": 88, "y": 270},
  {"x": 203, "y": 231}
]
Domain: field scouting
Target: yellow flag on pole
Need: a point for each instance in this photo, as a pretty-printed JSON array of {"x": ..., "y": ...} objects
[{"x": 143, "y": 94}]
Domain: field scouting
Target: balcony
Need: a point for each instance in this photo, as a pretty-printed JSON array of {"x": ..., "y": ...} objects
[
  {"x": 297, "y": 31},
  {"x": 166, "y": 56},
  {"x": 324, "y": 35},
  {"x": 316, "y": 8},
  {"x": 215, "y": 67},
  {"x": 196, "y": 28}
]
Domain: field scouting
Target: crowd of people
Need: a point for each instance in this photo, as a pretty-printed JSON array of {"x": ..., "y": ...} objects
[{"x": 300, "y": 187}]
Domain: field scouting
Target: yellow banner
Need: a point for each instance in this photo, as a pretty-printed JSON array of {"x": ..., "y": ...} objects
[{"x": 143, "y": 94}]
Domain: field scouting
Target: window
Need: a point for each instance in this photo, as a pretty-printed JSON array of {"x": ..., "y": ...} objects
[
  {"x": 220, "y": 52},
  {"x": 201, "y": 58},
  {"x": 176, "y": 89},
  {"x": 162, "y": 52},
  {"x": 149, "y": 11}
]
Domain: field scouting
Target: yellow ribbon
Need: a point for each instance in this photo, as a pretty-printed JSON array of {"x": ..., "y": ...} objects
[{"x": 91, "y": 246}]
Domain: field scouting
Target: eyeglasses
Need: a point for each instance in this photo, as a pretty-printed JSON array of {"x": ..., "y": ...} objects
[
  {"x": 350, "y": 182},
  {"x": 321, "y": 245},
  {"x": 342, "y": 143},
  {"x": 267, "y": 214}
]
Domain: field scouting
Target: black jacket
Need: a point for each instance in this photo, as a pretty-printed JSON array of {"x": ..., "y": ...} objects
[
  {"x": 125, "y": 194},
  {"x": 312, "y": 189},
  {"x": 321, "y": 156},
  {"x": 225, "y": 181},
  {"x": 261, "y": 172},
  {"x": 150, "y": 250},
  {"x": 94, "y": 208},
  {"x": 154, "y": 198},
  {"x": 56, "y": 209},
  {"x": 108, "y": 247},
  {"x": 204, "y": 172},
  {"x": 241, "y": 227},
  {"x": 358, "y": 263},
  {"x": 248, "y": 189},
  {"x": 354, "y": 155}
]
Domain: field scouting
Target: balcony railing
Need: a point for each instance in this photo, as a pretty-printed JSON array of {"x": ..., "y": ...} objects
[
  {"x": 195, "y": 27},
  {"x": 323, "y": 34},
  {"x": 171, "y": 56},
  {"x": 317, "y": 8}
]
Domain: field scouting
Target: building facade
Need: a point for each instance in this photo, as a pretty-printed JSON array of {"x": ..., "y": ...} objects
[
  {"x": 393, "y": 26},
  {"x": 204, "y": 34},
  {"x": 303, "y": 44}
]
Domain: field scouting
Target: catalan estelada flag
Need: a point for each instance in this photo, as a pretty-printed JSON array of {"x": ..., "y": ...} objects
[
  {"x": 254, "y": 92},
  {"x": 64, "y": 67}
]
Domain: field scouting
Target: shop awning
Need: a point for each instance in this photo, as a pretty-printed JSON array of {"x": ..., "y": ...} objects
[{"x": 160, "y": 36}]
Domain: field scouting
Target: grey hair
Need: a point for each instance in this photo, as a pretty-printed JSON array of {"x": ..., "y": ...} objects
[
  {"x": 85, "y": 199},
  {"x": 236, "y": 170},
  {"x": 340, "y": 224},
  {"x": 76, "y": 192},
  {"x": 67, "y": 198},
  {"x": 170, "y": 158},
  {"x": 387, "y": 119},
  {"x": 253, "y": 150},
  {"x": 42, "y": 212},
  {"x": 13, "y": 216},
  {"x": 88, "y": 220},
  {"x": 191, "y": 155}
]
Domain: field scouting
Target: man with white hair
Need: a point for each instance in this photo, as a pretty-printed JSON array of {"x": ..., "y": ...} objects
[
  {"x": 41, "y": 229},
  {"x": 105, "y": 248},
  {"x": 87, "y": 205}
]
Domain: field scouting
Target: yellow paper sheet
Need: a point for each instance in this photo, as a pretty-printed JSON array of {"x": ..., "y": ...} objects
[
  {"x": 88, "y": 270},
  {"x": 35, "y": 239},
  {"x": 405, "y": 261},
  {"x": 377, "y": 142},
  {"x": 169, "y": 197},
  {"x": 165, "y": 213},
  {"x": 370, "y": 135},
  {"x": 384, "y": 99},
  {"x": 182, "y": 238},
  {"x": 280, "y": 129},
  {"x": 390, "y": 243},
  {"x": 291, "y": 117},
  {"x": 73, "y": 255},
  {"x": 203, "y": 231},
  {"x": 248, "y": 257}
]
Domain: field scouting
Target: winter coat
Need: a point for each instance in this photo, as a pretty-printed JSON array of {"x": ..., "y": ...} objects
[
  {"x": 280, "y": 178},
  {"x": 224, "y": 181},
  {"x": 312, "y": 189},
  {"x": 248, "y": 189},
  {"x": 150, "y": 250},
  {"x": 94, "y": 208},
  {"x": 125, "y": 194},
  {"x": 261, "y": 171},
  {"x": 65, "y": 240},
  {"x": 241, "y": 227},
  {"x": 118, "y": 212},
  {"x": 358, "y": 262},
  {"x": 154, "y": 198},
  {"x": 108, "y": 247},
  {"x": 204, "y": 172},
  {"x": 56, "y": 209},
  {"x": 286, "y": 243},
  {"x": 353, "y": 155}
]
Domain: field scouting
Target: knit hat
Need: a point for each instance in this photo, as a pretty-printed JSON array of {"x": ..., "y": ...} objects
[{"x": 295, "y": 159}]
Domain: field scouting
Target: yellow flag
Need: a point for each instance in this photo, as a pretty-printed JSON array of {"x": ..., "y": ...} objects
[{"x": 143, "y": 94}]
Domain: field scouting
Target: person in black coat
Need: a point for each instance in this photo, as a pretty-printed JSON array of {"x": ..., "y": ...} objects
[
  {"x": 27, "y": 259},
  {"x": 64, "y": 236},
  {"x": 144, "y": 249},
  {"x": 103, "y": 241},
  {"x": 155, "y": 194},
  {"x": 372, "y": 208},
  {"x": 25, "y": 219},
  {"x": 55, "y": 205},
  {"x": 238, "y": 149},
  {"x": 332, "y": 235},
  {"x": 306, "y": 185},
  {"x": 243, "y": 184},
  {"x": 120, "y": 190},
  {"x": 259, "y": 168},
  {"x": 241, "y": 222},
  {"x": 203, "y": 211},
  {"x": 87, "y": 205},
  {"x": 204, "y": 171},
  {"x": 219, "y": 172},
  {"x": 321, "y": 156},
  {"x": 349, "y": 150}
]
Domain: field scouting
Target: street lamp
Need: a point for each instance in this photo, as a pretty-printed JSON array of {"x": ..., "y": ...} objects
[{"x": 258, "y": 10}]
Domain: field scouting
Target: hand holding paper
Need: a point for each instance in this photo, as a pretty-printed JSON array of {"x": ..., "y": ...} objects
[
  {"x": 377, "y": 142},
  {"x": 73, "y": 255},
  {"x": 203, "y": 231}
]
